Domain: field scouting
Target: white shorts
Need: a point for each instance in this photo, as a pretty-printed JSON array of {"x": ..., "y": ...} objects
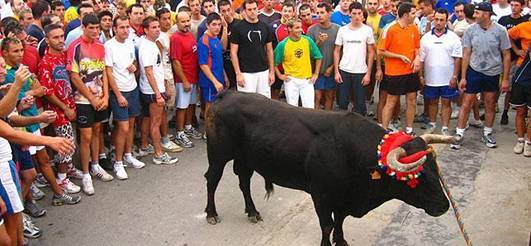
[
  {"x": 10, "y": 187},
  {"x": 33, "y": 149},
  {"x": 256, "y": 83},
  {"x": 183, "y": 99}
]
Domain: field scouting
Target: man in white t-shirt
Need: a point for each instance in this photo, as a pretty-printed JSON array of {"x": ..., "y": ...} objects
[
  {"x": 501, "y": 8},
  {"x": 353, "y": 68},
  {"x": 440, "y": 56},
  {"x": 120, "y": 63},
  {"x": 152, "y": 86}
]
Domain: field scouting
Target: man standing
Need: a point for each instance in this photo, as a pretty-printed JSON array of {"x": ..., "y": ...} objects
[
  {"x": 183, "y": 54},
  {"x": 324, "y": 34},
  {"x": 124, "y": 101},
  {"x": 207, "y": 7},
  {"x": 440, "y": 56},
  {"x": 136, "y": 15},
  {"x": 353, "y": 72},
  {"x": 486, "y": 55},
  {"x": 268, "y": 14},
  {"x": 521, "y": 99},
  {"x": 305, "y": 14},
  {"x": 373, "y": 20},
  {"x": 39, "y": 10},
  {"x": 296, "y": 53},
  {"x": 426, "y": 8},
  {"x": 252, "y": 52},
  {"x": 228, "y": 14},
  {"x": 279, "y": 27},
  {"x": 197, "y": 17},
  {"x": 86, "y": 64},
  {"x": 75, "y": 33},
  {"x": 152, "y": 86},
  {"x": 400, "y": 51},
  {"x": 341, "y": 17}
]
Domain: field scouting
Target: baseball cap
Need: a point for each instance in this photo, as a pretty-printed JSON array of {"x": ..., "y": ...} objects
[{"x": 485, "y": 6}]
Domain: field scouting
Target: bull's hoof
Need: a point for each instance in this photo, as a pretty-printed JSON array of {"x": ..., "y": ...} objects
[
  {"x": 341, "y": 243},
  {"x": 254, "y": 218},
  {"x": 213, "y": 220}
]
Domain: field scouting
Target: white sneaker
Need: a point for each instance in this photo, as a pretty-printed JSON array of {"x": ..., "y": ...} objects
[
  {"x": 455, "y": 113},
  {"x": 100, "y": 173},
  {"x": 164, "y": 159},
  {"x": 145, "y": 151},
  {"x": 171, "y": 147},
  {"x": 445, "y": 132},
  {"x": 133, "y": 162},
  {"x": 119, "y": 170},
  {"x": 527, "y": 149},
  {"x": 519, "y": 147},
  {"x": 68, "y": 187},
  {"x": 88, "y": 188}
]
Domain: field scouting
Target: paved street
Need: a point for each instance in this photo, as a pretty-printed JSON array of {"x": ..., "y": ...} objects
[{"x": 163, "y": 205}]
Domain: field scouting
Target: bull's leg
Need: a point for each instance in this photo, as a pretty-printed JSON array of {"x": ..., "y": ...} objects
[
  {"x": 213, "y": 175},
  {"x": 244, "y": 174},
  {"x": 324, "y": 213},
  {"x": 338, "y": 238}
]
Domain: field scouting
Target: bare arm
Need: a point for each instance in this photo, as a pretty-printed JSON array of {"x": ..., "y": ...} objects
[
  {"x": 178, "y": 69},
  {"x": 151, "y": 80},
  {"x": 271, "y": 62},
  {"x": 9, "y": 101},
  {"x": 112, "y": 82},
  {"x": 80, "y": 86},
  {"x": 337, "y": 55},
  {"x": 234, "y": 57},
  {"x": 506, "y": 67},
  {"x": 465, "y": 62},
  {"x": 20, "y": 121},
  {"x": 208, "y": 73}
]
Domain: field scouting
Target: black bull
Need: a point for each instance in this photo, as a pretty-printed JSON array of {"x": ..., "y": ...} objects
[{"x": 329, "y": 155}]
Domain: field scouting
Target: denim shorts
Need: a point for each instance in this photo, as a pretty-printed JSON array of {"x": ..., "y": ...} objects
[
  {"x": 434, "y": 92},
  {"x": 132, "y": 109},
  {"x": 325, "y": 83}
]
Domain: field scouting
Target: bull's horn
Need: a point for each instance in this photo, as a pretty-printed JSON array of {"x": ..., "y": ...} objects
[
  {"x": 395, "y": 154},
  {"x": 436, "y": 138}
]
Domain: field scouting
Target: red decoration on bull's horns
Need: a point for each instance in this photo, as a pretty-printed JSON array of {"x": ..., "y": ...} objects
[{"x": 394, "y": 140}]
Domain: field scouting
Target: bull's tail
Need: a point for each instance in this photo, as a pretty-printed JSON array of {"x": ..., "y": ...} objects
[{"x": 269, "y": 189}]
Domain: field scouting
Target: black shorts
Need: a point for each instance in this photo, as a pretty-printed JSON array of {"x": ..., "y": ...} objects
[
  {"x": 87, "y": 115},
  {"x": 402, "y": 84},
  {"x": 520, "y": 95},
  {"x": 383, "y": 83},
  {"x": 147, "y": 99}
]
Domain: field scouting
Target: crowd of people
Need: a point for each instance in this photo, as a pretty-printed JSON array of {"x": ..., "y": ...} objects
[{"x": 79, "y": 76}]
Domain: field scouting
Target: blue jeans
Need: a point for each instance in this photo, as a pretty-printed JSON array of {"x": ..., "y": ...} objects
[{"x": 351, "y": 84}]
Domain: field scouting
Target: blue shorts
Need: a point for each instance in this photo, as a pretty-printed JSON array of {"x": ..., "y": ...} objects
[
  {"x": 23, "y": 157},
  {"x": 325, "y": 83},
  {"x": 477, "y": 82},
  {"x": 434, "y": 92},
  {"x": 10, "y": 187},
  {"x": 132, "y": 109},
  {"x": 209, "y": 93}
]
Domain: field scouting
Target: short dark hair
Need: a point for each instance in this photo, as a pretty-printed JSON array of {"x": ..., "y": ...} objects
[
  {"x": 39, "y": 8},
  {"x": 148, "y": 21},
  {"x": 5, "y": 21},
  {"x": 304, "y": 6},
  {"x": 46, "y": 20},
  {"x": 442, "y": 11},
  {"x": 162, "y": 11},
  {"x": 248, "y": 2},
  {"x": 522, "y": 2},
  {"x": 13, "y": 27},
  {"x": 56, "y": 4},
  {"x": 222, "y": 3},
  {"x": 404, "y": 8},
  {"x": 212, "y": 17},
  {"x": 326, "y": 6},
  {"x": 469, "y": 11},
  {"x": 289, "y": 5},
  {"x": 90, "y": 19},
  {"x": 75, "y": 3},
  {"x": 121, "y": 17},
  {"x": 355, "y": 5},
  {"x": 7, "y": 41},
  {"x": 51, "y": 27},
  {"x": 205, "y": 1},
  {"x": 184, "y": 8},
  {"x": 104, "y": 13},
  {"x": 82, "y": 6},
  {"x": 459, "y": 3},
  {"x": 428, "y": 2},
  {"x": 136, "y": 5}
]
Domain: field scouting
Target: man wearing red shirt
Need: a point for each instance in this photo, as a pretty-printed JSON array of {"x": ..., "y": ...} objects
[
  {"x": 305, "y": 14},
  {"x": 279, "y": 26},
  {"x": 183, "y": 53}
]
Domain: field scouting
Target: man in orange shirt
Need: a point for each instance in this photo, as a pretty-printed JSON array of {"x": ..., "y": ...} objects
[{"x": 400, "y": 50}]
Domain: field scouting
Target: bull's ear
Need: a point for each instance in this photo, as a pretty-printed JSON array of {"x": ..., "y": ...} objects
[{"x": 375, "y": 174}]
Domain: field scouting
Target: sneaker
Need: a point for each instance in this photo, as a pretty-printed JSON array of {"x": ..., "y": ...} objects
[
  {"x": 171, "y": 147},
  {"x": 30, "y": 230},
  {"x": 36, "y": 193},
  {"x": 204, "y": 136},
  {"x": 489, "y": 140},
  {"x": 429, "y": 128},
  {"x": 527, "y": 149},
  {"x": 65, "y": 199},
  {"x": 119, "y": 170},
  {"x": 394, "y": 126},
  {"x": 88, "y": 188},
  {"x": 420, "y": 99},
  {"x": 519, "y": 147},
  {"x": 105, "y": 164},
  {"x": 445, "y": 131},
  {"x": 476, "y": 123},
  {"x": 164, "y": 159},
  {"x": 184, "y": 141},
  {"x": 193, "y": 133},
  {"x": 457, "y": 144},
  {"x": 40, "y": 181},
  {"x": 411, "y": 133},
  {"x": 69, "y": 187},
  {"x": 133, "y": 162},
  {"x": 504, "y": 119},
  {"x": 370, "y": 114},
  {"x": 74, "y": 173},
  {"x": 149, "y": 150},
  {"x": 101, "y": 174},
  {"x": 31, "y": 208},
  {"x": 455, "y": 114},
  {"x": 421, "y": 119}
]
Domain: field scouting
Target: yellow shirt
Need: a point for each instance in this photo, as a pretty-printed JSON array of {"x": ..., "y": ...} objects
[
  {"x": 70, "y": 14},
  {"x": 296, "y": 56},
  {"x": 374, "y": 22}
]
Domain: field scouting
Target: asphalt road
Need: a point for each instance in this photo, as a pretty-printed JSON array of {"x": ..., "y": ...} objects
[{"x": 163, "y": 205}]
